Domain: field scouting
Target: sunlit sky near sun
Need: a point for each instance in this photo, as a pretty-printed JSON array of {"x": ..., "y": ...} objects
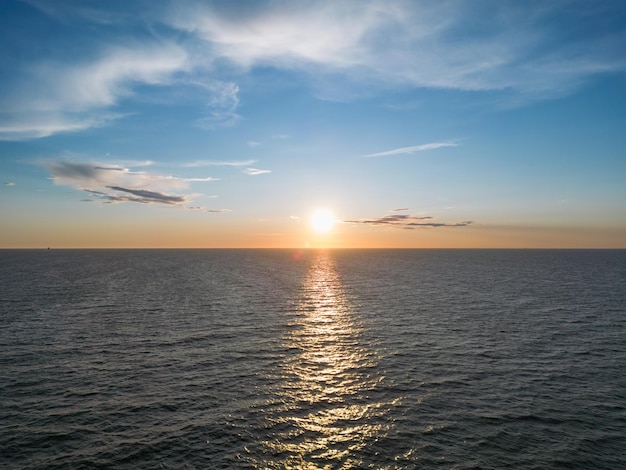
[{"x": 312, "y": 123}]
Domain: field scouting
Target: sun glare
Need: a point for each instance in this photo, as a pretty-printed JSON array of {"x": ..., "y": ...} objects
[{"x": 322, "y": 221}]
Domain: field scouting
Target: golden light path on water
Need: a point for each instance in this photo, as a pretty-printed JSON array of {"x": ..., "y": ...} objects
[{"x": 328, "y": 418}]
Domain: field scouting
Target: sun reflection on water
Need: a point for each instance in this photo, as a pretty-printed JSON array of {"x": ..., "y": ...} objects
[{"x": 328, "y": 411}]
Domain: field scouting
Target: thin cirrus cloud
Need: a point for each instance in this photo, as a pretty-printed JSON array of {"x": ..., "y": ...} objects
[
  {"x": 202, "y": 209},
  {"x": 61, "y": 97},
  {"x": 116, "y": 184},
  {"x": 255, "y": 171},
  {"x": 322, "y": 33},
  {"x": 406, "y": 221},
  {"x": 410, "y": 150},
  {"x": 197, "y": 180},
  {"x": 80, "y": 11},
  {"x": 369, "y": 45},
  {"x": 201, "y": 163},
  {"x": 222, "y": 105},
  {"x": 28, "y": 124},
  {"x": 515, "y": 51}
]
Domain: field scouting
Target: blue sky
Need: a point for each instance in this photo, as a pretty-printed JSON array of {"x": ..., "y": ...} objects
[{"x": 190, "y": 123}]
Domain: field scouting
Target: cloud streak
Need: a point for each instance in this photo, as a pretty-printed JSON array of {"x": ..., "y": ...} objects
[
  {"x": 407, "y": 222},
  {"x": 255, "y": 171},
  {"x": 145, "y": 196},
  {"x": 136, "y": 195},
  {"x": 29, "y": 124},
  {"x": 201, "y": 163},
  {"x": 410, "y": 150}
]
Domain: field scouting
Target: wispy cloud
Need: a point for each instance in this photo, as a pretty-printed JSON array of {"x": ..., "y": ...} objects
[
  {"x": 116, "y": 184},
  {"x": 197, "y": 180},
  {"x": 29, "y": 124},
  {"x": 9, "y": 183},
  {"x": 222, "y": 105},
  {"x": 425, "y": 43},
  {"x": 399, "y": 210},
  {"x": 339, "y": 47},
  {"x": 202, "y": 209},
  {"x": 410, "y": 150},
  {"x": 66, "y": 12},
  {"x": 255, "y": 171},
  {"x": 135, "y": 163},
  {"x": 201, "y": 163},
  {"x": 407, "y": 221},
  {"x": 58, "y": 97}
]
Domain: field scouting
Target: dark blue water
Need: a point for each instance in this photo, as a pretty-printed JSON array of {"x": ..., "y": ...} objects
[{"x": 314, "y": 359}]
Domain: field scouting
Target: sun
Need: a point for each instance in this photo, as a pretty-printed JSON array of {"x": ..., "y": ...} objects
[{"x": 322, "y": 221}]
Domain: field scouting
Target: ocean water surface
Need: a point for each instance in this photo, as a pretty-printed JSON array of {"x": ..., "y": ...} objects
[{"x": 314, "y": 359}]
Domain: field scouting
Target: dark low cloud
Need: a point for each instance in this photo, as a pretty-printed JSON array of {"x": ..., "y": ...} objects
[
  {"x": 95, "y": 193},
  {"x": 212, "y": 211},
  {"x": 407, "y": 221},
  {"x": 439, "y": 224},
  {"x": 109, "y": 168},
  {"x": 395, "y": 219},
  {"x": 113, "y": 183},
  {"x": 147, "y": 197},
  {"x": 141, "y": 196},
  {"x": 73, "y": 170}
]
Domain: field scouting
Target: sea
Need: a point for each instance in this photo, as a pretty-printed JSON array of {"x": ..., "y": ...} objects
[{"x": 312, "y": 359}]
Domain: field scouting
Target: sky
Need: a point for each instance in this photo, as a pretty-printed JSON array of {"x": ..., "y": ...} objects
[{"x": 214, "y": 124}]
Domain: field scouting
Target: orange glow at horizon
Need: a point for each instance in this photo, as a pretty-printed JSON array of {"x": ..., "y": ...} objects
[{"x": 187, "y": 233}]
